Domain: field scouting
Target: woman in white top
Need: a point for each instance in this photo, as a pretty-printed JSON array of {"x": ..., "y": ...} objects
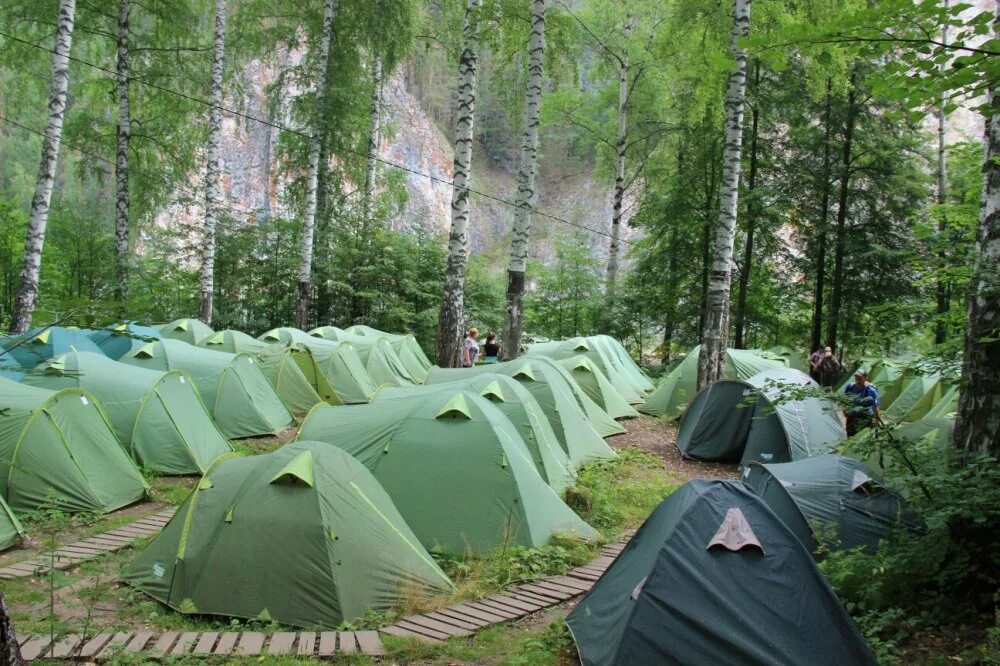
[{"x": 470, "y": 349}]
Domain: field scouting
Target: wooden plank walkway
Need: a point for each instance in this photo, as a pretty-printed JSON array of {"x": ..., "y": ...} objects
[
  {"x": 458, "y": 620},
  {"x": 79, "y": 551}
]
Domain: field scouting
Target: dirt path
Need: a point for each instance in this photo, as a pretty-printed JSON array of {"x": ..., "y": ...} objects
[{"x": 659, "y": 438}]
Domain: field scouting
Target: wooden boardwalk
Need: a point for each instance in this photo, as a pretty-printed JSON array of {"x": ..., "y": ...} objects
[
  {"x": 79, "y": 551},
  {"x": 455, "y": 621}
]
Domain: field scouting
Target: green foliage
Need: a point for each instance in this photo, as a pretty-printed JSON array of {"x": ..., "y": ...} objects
[
  {"x": 624, "y": 490},
  {"x": 566, "y": 297}
]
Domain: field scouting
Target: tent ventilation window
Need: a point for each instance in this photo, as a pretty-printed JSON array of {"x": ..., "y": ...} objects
[
  {"x": 456, "y": 408},
  {"x": 735, "y": 533},
  {"x": 864, "y": 484},
  {"x": 297, "y": 472}
]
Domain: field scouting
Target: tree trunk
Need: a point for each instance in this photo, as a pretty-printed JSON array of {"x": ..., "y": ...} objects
[
  {"x": 836, "y": 293},
  {"x": 621, "y": 140},
  {"x": 816, "y": 336},
  {"x": 525, "y": 185},
  {"x": 213, "y": 168},
  {"x": 10, "y": 653},
  {"x": 315, "y": 141},
  {"x": 977, "y": 428},
  {"x": 121, "y": 161},
  {"x": 28, "y": 289},
  {"x": 451, "y": 318},
  {"x": 374, "y": 137},
  {"x": 741, "y": 301},
  {"x": 712, "y": 359},
  {"x": 943, "y": 290}
]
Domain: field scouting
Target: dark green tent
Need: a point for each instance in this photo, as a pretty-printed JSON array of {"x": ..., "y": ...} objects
[
  {"x": 714, "y": 577},
  {"x": 830, "y": 500},
  {"x": 741, "y": 421},
  {"x": 304, "y": 536},
  {"x": 119, "y": 339}
]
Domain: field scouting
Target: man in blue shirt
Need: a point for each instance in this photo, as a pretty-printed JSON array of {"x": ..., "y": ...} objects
[{"x": 865, "y": 403}]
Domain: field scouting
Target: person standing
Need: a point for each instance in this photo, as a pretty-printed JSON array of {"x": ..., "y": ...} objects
[
  {"x": 491, "y": 350},
  {"x": 470, "y": 348},
  {"x": 815, "y": 361},
  {"x": 829, "y": 368},
  {"x": 864, "y": 398}
]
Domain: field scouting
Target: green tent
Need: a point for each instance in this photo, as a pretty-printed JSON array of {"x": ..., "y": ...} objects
[
  {"x": 11, "y": 530},
  {"x": 191, "y": 331},
  {"x": 573, "y": 429},
  {"x": 158, "y": 416},
  {"x": 886, "y": 370},
  {"x": 518, "y": 405},
  {"x": 865, "y": 364},
  {"x": 625, "y": 360},
  {"x": 790, "y": 357},
  {"x": 456, "y": 468},
  {"x": 599, "y": 354},
  {"x": 119, "y": 339},
  {"x": 304, "y": 536},
  {"x": 597, "y": 387},
  {"x": 58, "y": 451},
  {"x": 600, "y": 419},
  {"x": 742, "y": 421},
  {"x": 714, "y": 577},
  {"x": 338, "y": 363},
  {"x": 830, "y": 500},
  {"x": 236, "y": 392},
  {"x": 937, "y": 429},
  {"x": 40, "y": 344},
  {"x": 911, "y": 396},
  {"x": 282, "y": 365},
  {"x": 407, "y": 348},
  {"x": 678, "y": 388},
  {"x": 947, "y": 404},
  {"x": 378, "y": 355}
]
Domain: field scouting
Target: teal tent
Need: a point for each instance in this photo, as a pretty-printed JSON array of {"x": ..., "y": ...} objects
[
  {"x": 455, "y": 467},
  {"x": 754, "y": 420},
  {"x": 714, "y": 577},
  {"x": 191, "y": 331},
  {"x": 119, "y": 339},
  {"x": 40, "y": 344}
]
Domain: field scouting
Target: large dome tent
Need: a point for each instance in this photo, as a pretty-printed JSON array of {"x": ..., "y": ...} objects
[
  {"x": 407, "y": 348},
  {"x": 303, "y": 535},
  {"x": 455, "y": 467},
  {"x": 598, "y": 354},
  {"x": 119, "y": 339},
  {"x": 714, "y": 577},
  {"x": 517, "y": 404},
  {"x": 282, "y": 365},
  {"x": 58, "y": 451},
  {"x": 158, "y": 416},
  {"x": 191, "y": 331},
  {"x": 42, "y": 343},
  {"x": 378, "y": 355},
  {"x": 238, "y": 395},
  {"x": 754, "y": 420},
  {"x": 338, "y": 363},
  {"x": 602, "y": 422},
  {"x": 597, "y": 387}
]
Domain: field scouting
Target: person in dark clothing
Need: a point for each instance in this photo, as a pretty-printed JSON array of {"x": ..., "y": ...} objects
[
  {"x": 865, "y": 403},
  {"x": 829, "y": 368},
  {"x": 491, "y": 350},
  {"x": 815, "y": 361}
]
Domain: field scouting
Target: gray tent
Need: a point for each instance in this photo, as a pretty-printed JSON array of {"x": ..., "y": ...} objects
[
  {"x": 830, "y": 500},
  {"x": 714, "y": 577},
  {"x": 742, "y": 421}
]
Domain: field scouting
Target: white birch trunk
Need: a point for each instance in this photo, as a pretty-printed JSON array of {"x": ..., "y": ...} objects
[
  {"x": 121, "y": 160},
  {"x": 943, "y": 288},
  {"x": 712, "y": 358},
  {"x": 309, "y": 220},
  {"x": 527, "y": 170},
  {"x": 621, "y": 139},
  {"x": 451, "y": 318},
  {"x": 27, "y": 291},
  {"x": 213, "y": 168},
  {"x": 977, "y": 428},
  {"x": 374, "y": 137}
]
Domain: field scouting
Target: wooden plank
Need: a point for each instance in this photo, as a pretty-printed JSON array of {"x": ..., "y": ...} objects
[
  {"x": 455, "y": 622},
  {"x": 307, "y": 643},
  {"x": 500, "y": 609},
  {"x": 327, "y": 643},
  {"x": 507, "y": 600},
  {"x": 393, "y": 630},
  {"x": 370, "y": 643},
  {"x": 462, "y": 617},
  {"x": 24, "y": 638},
  {"x": 422, "y": 630},
  {"x": 184, "y": 645},
  {"x": 281, "y": 642},
  {"x": 94, "y": 645},
  {"x": 477, "y": 613},
  {"x": 346, "y": 643},
  {"x": 25, "y": 568},
  {"x": 226, "y": 642},
  {"x": 545, "y": 592},
  {"x": 33, "y": 648},
  {"x": 251, "y": 643},
  {"x": 62, "y": 648},
  {"x": 566, "y": 581},
  {"x": 115, "y": 645},
  {"x": 556, "y": 587},
  {"x": 164, "y": 643},
  {"x": 531, "y": 596},
  {"x": 139, "y": 641},
  {"x": 90, "y": 551},
  {"x": 437, "y": 625},
  {"x": 205, "y": 643},
  {"x": 503, "y": 602}
]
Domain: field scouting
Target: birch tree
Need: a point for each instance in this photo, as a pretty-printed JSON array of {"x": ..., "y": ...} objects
[
  {"x": 621, "y": 141},
  {"x": 451, "y": 318},
  {"x": 121, "y": 159},
  {"x": 213, "y": 169},
  {"x": 375, "y": 127},
  {"x": 712, "y": 358},
  {"x": 527, "y": 171},
  {"x": 27, "y": 291},
  {"x": 942, "y": 294},
  {"x": 315, "y": 141}
]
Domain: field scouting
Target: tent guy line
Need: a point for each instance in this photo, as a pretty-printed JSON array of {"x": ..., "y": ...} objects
[{"x": 307, "y": 135}]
